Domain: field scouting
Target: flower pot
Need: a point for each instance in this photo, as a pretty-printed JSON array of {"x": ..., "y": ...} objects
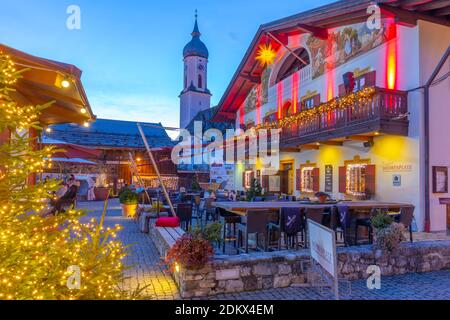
[
  {"x": 101, "y": 193},
  {"x": 129, "y": 210}
]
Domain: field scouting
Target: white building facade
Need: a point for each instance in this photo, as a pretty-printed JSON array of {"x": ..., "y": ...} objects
[{"x": 365, "y": 141}]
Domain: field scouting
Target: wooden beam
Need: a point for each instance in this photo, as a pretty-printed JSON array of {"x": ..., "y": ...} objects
[
  {"x": 412, "y": 3},
  {"x": 321, "y": 33},
  {"x": 442, "y": 12},
  {"x": 309, "y": 147},
  {"x": 252, "y": 78},
  {"x": 290, "y": 149},
  {"x": 228, "y": 115},
  {"x": 360, "y": 138},
  {"x": 433, "y": 5},
  {"x": 401, "y": 17},
  {"x": 332, "y": 143},
  {"x": 405, "y": 16}
]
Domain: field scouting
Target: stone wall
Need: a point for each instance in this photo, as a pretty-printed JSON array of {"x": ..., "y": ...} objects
[{"x": 265, "y": 270}]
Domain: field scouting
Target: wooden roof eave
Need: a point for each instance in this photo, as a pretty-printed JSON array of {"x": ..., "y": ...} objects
[{"x": 37, "y": 86}]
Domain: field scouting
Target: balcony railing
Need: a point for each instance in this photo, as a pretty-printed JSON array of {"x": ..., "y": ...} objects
[
  {"x": 385, "y": 111},
  {"x": 305, "y": 74}
]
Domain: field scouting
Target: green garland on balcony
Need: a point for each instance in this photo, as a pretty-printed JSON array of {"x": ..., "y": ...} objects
[{"x": 362, "y": 96}]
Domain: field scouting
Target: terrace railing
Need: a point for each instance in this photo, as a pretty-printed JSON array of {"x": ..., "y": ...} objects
[{"x": 384, "y": 106}]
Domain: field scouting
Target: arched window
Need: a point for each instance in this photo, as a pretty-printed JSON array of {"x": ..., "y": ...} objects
[
  {"x": 200, "y": 81},
  {"x": 292, "y": 64},
  {"x": 185, "y": 81}
]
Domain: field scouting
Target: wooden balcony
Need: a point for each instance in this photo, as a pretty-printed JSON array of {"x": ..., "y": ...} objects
[{"x": 386, "y": 112}]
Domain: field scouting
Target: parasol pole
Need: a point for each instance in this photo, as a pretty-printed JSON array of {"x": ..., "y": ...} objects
[{"x": 156, "y": 169}]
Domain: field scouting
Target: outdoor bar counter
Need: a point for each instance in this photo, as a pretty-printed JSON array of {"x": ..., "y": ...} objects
[{"x": 241, "y": 207}]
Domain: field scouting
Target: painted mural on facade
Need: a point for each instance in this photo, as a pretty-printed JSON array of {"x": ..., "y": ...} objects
[
  {"x": 250, "y": 101},
  {"x": 265, "y": 85},
  {"x": 346, "y": 43}
]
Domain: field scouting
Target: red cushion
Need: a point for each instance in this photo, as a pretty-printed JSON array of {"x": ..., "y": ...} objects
[{"x": 168, "y": 222}]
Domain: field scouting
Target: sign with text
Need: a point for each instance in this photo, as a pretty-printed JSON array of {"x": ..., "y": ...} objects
[
  {"x": 328, "y": 178},
  {"x": 397, "y": 167},
  {"x": 323, "y": 247}
]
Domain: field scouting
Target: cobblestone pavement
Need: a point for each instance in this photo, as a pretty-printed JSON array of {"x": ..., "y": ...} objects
[
  {"x": 147, "y": 269},
  {"x": 426, "y": 286}
]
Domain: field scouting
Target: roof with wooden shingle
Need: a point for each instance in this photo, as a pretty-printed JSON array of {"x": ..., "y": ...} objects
[{"x": 112, "y": 134}]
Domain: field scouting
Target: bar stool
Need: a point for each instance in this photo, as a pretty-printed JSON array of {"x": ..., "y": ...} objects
[
  {"x": 184, "y": 213},
  {"x": 256, "y": 223},
  {"x": 229, "y": 222},
  {"x": 367, "y": 224},
  {"x": 210, "y": 210},
  {"x": 197, "y": 203}
]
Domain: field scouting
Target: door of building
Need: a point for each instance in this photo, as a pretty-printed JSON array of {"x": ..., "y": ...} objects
[{"x": 287, "y": 177}]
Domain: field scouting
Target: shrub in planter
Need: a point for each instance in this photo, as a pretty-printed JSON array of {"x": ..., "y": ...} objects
[
  {"x": 129, "y": 201},
  {"x": 211, "y": 232},
  {"x": 190, "y": 252},
  {"x": 388, "y": 234}
]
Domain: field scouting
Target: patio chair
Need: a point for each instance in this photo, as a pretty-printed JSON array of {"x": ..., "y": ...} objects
[
  {"x": 314, "y": 214},
  {"x": 406, "y": 218},
  {"x": 290, "y": 224},
  {"x": 342, "y": 222},
  {"x": 184, "y": 213},
  {"x": 210, "y": 210},
  {"x": 256, "y": 223},
  {"x": 197, "y": 212}
]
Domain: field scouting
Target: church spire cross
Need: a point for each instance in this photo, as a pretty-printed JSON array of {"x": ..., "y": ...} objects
[{"x": 196, "y": 32}]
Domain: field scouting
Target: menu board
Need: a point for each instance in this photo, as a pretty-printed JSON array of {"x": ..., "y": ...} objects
[{"x": 328, "y": 178}]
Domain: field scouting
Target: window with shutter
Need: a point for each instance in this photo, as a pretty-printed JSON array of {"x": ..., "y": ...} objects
[
  {"x": 265, "y": 182},
  {"x": 343, "y": 179},
  {"x": 316, "y": 179},
  {"x": 316, "y": 100},
  {"x": 298, "y": 179},
  {"x": 370, "y": 180},
  {"x": 342, "y": 90},
  {"x": 365, "y": 81}
]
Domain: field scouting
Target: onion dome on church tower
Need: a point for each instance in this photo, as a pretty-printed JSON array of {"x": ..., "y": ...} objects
[{"x": 196, "y": 47}]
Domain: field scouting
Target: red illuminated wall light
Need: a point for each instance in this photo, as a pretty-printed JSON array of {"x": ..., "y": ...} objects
[
  {"x": 295, "y": 92},
  {"x": 258, "y": 104},
  {"x": 391, "y": 56},
  {"x": 280, "y": 98},
  {"x": 329, "y": 68}
]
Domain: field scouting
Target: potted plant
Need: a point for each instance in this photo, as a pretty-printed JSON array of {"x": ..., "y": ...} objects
[
  {"x": 101, "y": 189},
  {"x": 190, "y": 252},
  {"x": 129, "y": 202},
  {"x": 388, "y": 234},
  {"x": 255, "y": 190}
]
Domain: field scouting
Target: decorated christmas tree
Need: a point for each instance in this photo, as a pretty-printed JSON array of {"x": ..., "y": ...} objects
[{"x": 45, "y": 257}]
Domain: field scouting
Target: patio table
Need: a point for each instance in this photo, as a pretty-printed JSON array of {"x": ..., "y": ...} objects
[{"x": 241, "y": 207}]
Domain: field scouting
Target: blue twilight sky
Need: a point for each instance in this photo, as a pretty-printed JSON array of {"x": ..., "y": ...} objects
[{"x": 131, "y": 51}]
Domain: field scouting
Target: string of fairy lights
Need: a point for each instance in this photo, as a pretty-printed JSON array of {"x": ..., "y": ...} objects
[
  {"x": 352, "y": 100},
  {"x": 35, "y": 250},
  {"x": 10, "y": 73}
]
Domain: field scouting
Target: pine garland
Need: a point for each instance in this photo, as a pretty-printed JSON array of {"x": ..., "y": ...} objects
[{"x": 362, "y": 96}]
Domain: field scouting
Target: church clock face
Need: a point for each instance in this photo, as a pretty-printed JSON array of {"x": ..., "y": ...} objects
[{"x": 201, "y": 67}]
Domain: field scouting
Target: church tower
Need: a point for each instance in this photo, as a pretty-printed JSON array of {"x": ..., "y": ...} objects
[{"x": 195, "y": 96}]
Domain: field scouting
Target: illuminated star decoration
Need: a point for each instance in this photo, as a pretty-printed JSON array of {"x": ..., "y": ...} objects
[{"x": 266, "y": 54}]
